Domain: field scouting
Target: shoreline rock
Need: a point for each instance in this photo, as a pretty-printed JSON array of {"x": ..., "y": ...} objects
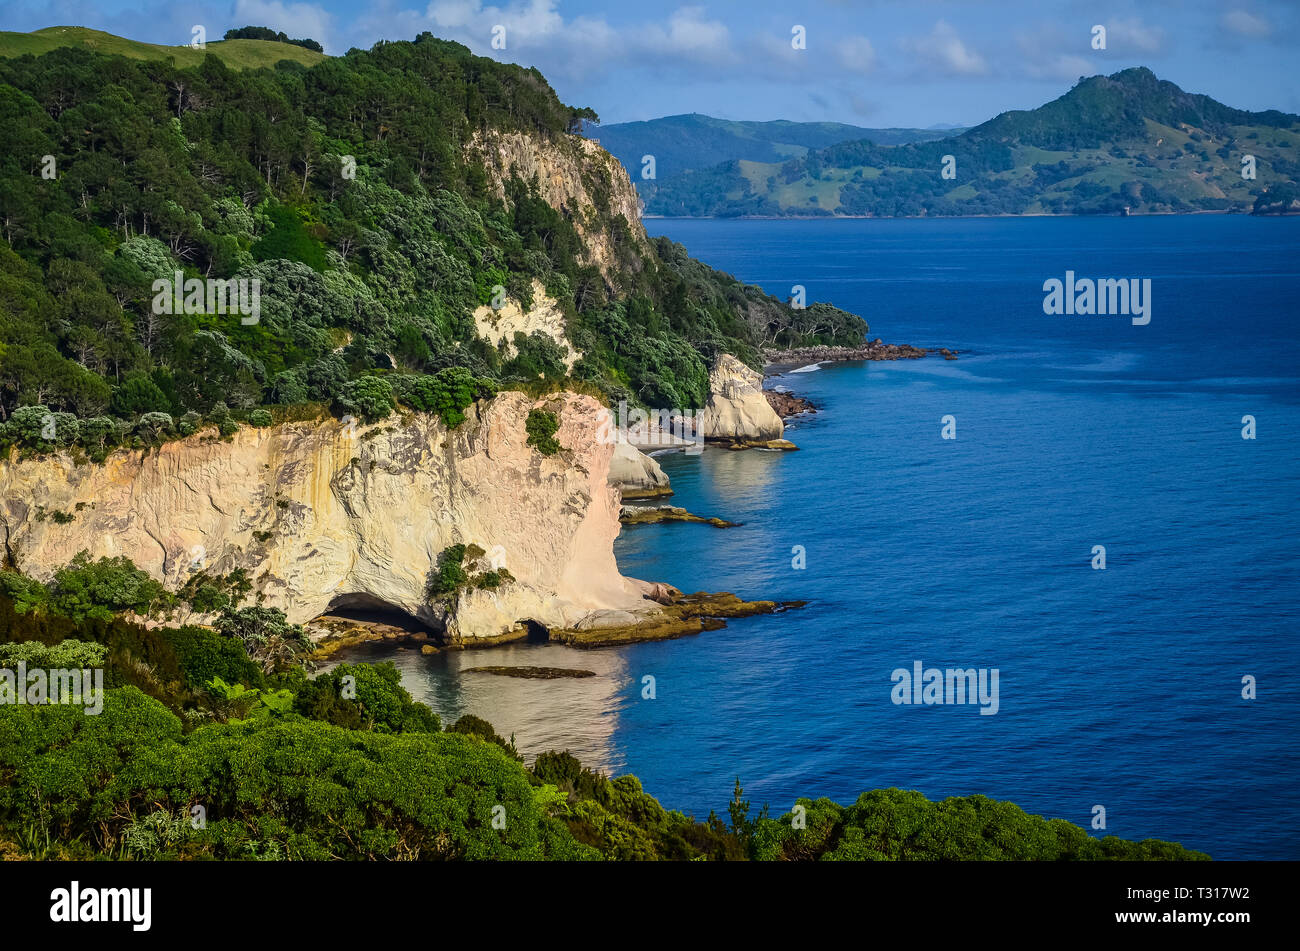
[
  {"x": 682, "y": 615},
  {"x": 652, "y": 514},
  {"x": 779, "y": 361},
  {"x": 689, "y": 614},
  {"x": 786, "y": 404}
]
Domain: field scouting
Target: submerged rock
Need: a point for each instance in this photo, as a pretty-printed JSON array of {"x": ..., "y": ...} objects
[{"x": 532, "y": 673}]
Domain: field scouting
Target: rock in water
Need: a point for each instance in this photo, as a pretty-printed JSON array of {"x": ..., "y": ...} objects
[
  {"x": 636, "y": 475},
  {"x": 737, "y": 411}
]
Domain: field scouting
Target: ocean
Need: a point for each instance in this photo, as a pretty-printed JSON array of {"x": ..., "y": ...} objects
[{"x": 1119, "y": 687}]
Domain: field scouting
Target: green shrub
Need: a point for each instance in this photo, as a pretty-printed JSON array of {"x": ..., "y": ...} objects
[
  {"x": 99, "y": 589},
  {"x": 369, "y": 397},
  {"x": 542, "y": 425},
  {"x": 304, "y": 789},
  {"x": 365, "y": 697}
]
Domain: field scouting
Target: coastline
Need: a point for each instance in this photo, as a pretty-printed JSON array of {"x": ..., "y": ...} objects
[{"x": 1036, "y": 214}]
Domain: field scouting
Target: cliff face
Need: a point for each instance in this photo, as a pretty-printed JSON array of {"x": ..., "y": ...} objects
[
  {"x": 737, "y": 411},
  {"x": 326, "y": 515},
  {"x": 545, "y": 316},
  {"x": 579, "y": 179}
]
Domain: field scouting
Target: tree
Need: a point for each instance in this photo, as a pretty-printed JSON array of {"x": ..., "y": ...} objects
[
  {"x": 266, "y": 634},
  {"x": 369, "y": 397},
  {"x": 86, "y": 589}
]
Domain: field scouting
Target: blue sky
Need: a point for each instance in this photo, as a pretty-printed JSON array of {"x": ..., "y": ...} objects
[{"x": 870, "y": 62}]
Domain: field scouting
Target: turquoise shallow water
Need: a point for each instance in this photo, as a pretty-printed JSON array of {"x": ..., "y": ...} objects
[{"x": 1120, "y": 687}]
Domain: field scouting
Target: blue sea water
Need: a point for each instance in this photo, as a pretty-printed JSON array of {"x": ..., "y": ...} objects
[{"x": 1119, "y": 687}]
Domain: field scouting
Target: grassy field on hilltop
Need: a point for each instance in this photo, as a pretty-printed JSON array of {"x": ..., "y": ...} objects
[{"x": 238, "y": 54}]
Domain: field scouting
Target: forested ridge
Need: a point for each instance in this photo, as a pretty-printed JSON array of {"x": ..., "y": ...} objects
[
  {"x": 1125, "y": 142},
  {"x": 351, "y": 191}
]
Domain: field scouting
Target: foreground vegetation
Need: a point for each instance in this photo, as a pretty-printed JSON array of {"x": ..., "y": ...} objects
[{"x": 216, "y": 742}]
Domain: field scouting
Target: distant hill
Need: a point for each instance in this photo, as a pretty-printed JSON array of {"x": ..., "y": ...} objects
[
  {"x": 1125, "y": 141},
  {"x": 238, "y": 54},
  {"x": 692, "y": 142}
]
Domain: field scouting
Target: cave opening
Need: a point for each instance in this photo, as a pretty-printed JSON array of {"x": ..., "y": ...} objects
[
  {"x": 367, "y": 609},
  {"x": 537, "y": 633}
]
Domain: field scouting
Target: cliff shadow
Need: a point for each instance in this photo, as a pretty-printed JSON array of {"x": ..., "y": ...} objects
[{"x": 366, "y": 609}]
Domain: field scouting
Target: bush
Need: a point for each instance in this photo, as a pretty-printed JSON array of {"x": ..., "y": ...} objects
[
  {"x": 365, "y": 697},
  {"x": 99, "y": 589},
  {"x": 266, "y": 634},
  {"x": 447, "y": 393},
  {"x": 204, "y": 655},
  {"x": 542, "y": 425},
  {"x": 369, "y": 397},
  {"x": 295, "y": 788},
  {"x": 260, "y": 418}
]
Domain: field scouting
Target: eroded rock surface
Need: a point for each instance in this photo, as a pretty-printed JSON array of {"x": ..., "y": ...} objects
[
  {"x": 737, "y": 411},
  {"x": 324, "y": 515}
]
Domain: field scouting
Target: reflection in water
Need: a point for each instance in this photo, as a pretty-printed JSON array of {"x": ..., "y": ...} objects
[{"x": 574, "y": 714}]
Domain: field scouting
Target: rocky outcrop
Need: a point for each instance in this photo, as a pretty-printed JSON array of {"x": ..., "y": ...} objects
[
  {"x": 636, "y": 475},
  {"x": 737, "y": 412},
  {"x": 325, "y": 515},
  {"x": 545, "y": 316},
  {"x": 579, "y": 179},
  {"x": 875, "y": 350},
  {"x": 786, "y": 404}
]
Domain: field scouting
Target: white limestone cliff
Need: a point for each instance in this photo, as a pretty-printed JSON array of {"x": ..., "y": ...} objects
[
  {"x": 323, "y": 515},
  {"x": 737, "y": 412},
  {"x": 545, "y": 316},
  {"x": 583, "y": 182}
]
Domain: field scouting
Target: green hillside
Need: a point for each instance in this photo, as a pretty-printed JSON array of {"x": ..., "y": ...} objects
[
  {"x": 238, "y": 54},
  {"x": 692, "y": 142},
  {"x": 1126, "y": 141},
  {"x": 349, "y": 192}
]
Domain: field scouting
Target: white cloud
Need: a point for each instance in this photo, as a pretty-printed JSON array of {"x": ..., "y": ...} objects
[
  {"x": 688, "y": 35},
  {"x": 298, "y": 20},
  {"x": 537, "y": 34},
  {"x": 1043, "y": 54},
  {"x": 943, "y": 50},
  {"x": 1246, "y": 24},
  {"x": 856, "y": 54},
  {"x": 1132, "y": 35}
]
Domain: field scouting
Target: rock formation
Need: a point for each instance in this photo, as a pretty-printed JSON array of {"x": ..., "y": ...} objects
[
  {"x": 325, "y": 515},
  {"x": 575, "y": 176},
  {"x": 636, "y": 475},
  {"x": 737, "y": 412}
]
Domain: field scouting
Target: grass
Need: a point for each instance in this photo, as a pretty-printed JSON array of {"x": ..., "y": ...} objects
[{"x": 237, "y": 54}]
